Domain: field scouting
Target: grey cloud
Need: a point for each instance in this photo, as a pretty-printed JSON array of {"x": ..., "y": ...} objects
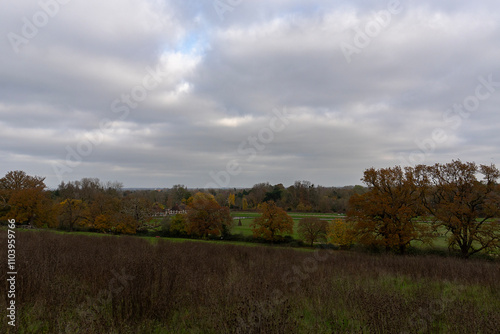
[{"x": 223, "y": 79}]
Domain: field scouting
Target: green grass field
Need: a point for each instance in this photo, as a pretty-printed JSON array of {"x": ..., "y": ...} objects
[{"x": 247, "y": 218}]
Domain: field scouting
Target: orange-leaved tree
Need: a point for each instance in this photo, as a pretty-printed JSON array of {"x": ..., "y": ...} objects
[
  {"x": 312, "y": 229},
  {"x": 386, "y": 215},
  {"x": 206, "y": 217},
  {"x": 465, "y": 206},
  {"x": 103, "y": 223},
  {"x": 23, "y": 198},
  {"x": 273, "y": 222},
  {"x": 125, "y": 224}
]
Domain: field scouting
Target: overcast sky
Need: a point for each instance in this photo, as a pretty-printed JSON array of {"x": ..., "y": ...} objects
[{"x": 155, "y": 93}]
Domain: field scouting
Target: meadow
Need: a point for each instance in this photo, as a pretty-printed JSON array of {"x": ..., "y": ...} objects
[
  {"x": 247, "y": 218},
  {"x": 119, "y": 284}
]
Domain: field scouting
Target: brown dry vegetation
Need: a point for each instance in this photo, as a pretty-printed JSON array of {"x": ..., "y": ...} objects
[{"x": 69, "y": 284}]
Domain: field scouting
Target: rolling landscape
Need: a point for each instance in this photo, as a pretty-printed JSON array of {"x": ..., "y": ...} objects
[
  {"x": 407, "y": 256},
  {"x": 261, "y": 167}
]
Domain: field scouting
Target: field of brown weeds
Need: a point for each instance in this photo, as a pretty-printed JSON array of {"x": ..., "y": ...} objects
[{"x": 85, "y": 284}]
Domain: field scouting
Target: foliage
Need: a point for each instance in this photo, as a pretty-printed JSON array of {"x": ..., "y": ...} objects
[
  {"x": 165, "y": 226},
  {"x": 118, "y": 223},
  {"x": 17, "y": 180},
  {"x": 399, "y": 207},
  {"x": 275, "y": 194},
  {"x": 103, "y": 223},
  {"x": 385, "y": 216},
  {"x": 273, "y": 223},
  {"x": 32, "y": 206},
  {"x": 463, "y": 204},
  {"x": 178, "y": 225},
  {"x": 124, "y": 224},
  {"x": 312, "y": 229},
  {"x": 103, "y": 204},
  {"x": 138, "y": 207},
  {"x": 302, "y": 207},
  {"x": 72, "y": 213},
  {"x": 23, "y": 198},
  {"x": 206, "y": 217},
  {"x": 231, "y": 200},
  {"x": 340, "y": 232}
]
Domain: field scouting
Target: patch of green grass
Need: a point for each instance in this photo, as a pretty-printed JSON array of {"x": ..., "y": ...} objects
[{"x": 247, "y": 218}]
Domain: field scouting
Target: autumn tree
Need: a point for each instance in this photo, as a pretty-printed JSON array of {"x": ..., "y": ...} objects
[
  {"x": 17, "y": 180},
  {"x": 206, "y": 217},
  {"x": 72, "y": 213},
  {"x": 272, "y": 223},
  {"x": 104, "y": 204},
  {"x": 462, "y": 204},
  {"x": 103, "y": 223},
  {"x": 231, "y": 200},
  {"x": 118, "y": 223},
  {"x": 24, "y": 198},
  {"x": 124, "y": 224},
  {"x": 340, "y": 232},
  {"x": 312, "y": 229},
  {"x": 101, "y": 206},
  {"x": 385, "y": 215}
]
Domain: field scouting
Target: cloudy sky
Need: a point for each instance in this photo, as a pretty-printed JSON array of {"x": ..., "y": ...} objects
[{"x": 154, "y": 93}]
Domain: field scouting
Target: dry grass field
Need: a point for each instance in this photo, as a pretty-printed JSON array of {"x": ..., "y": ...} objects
[{"x": 85, "y": 284}]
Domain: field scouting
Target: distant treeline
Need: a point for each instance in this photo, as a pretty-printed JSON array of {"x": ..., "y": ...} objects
[{"x": 107, "y": 207}]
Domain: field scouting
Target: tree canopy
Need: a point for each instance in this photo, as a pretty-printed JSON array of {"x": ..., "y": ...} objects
[
  {"x": 462, "y": 204},
  {"x": 206, "y": 217},
  {"x": 273, "y": 223}
]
